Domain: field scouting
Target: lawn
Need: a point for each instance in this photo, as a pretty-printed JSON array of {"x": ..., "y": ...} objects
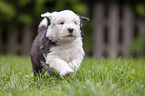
[{"x": 102, "y": 77}]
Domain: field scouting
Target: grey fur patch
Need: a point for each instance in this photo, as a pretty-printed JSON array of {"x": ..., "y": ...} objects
[
  {"x": 42, "y": 28},
  {"x": 40, "y": 47}
]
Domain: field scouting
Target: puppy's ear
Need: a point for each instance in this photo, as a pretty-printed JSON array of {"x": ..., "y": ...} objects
[
  {"x": 83, "y": 18},
  {"x": 47, "y": 14}
]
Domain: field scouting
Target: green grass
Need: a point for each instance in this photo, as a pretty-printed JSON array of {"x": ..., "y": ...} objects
[{"x": 110, "y": 77}]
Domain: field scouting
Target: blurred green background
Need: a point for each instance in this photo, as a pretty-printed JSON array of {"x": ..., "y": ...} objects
[{"x": 19, "y": 20}]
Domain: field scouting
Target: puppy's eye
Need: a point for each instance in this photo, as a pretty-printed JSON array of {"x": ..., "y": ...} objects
[
  {"x": 61, "y": 23},
  {"x": 76, "y": 23}
]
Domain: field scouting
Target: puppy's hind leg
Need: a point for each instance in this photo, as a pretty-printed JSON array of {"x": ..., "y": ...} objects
[{"x": 37, "y": 67}]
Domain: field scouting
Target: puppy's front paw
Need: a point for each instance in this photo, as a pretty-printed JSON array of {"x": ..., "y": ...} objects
[{"x": 66, "y": 71}]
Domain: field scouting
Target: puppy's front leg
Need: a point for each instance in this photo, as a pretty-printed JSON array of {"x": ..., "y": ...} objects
[
  {"x": 60, "y": 65},
  {"x": 75, "y": 64}
]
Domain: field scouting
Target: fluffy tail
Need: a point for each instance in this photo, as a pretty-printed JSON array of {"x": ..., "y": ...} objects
[{"x": 43, "y": 25}]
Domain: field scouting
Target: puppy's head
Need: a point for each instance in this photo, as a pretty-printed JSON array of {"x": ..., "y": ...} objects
[{"x": 65, "y": 25}]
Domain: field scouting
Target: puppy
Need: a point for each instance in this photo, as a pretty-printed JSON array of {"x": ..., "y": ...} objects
[{"x": 58, "y": 47}]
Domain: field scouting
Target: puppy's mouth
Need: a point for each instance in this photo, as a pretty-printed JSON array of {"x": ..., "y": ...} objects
[{"x": 70, "y": 35}]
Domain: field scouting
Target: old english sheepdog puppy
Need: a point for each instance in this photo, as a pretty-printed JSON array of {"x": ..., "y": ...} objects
[{"x": 58, "y": 47}]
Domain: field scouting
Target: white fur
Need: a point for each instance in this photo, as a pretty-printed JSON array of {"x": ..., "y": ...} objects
[
  {"x": 43, "y": 22},
  {"x": 67, "y": 56}
]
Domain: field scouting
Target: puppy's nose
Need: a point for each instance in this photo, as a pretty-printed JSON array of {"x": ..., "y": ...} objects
[{"x": 70, "y": 30}]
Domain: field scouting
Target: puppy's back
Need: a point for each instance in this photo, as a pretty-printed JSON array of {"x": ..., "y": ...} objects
[{"x": 40, "y": 47}]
